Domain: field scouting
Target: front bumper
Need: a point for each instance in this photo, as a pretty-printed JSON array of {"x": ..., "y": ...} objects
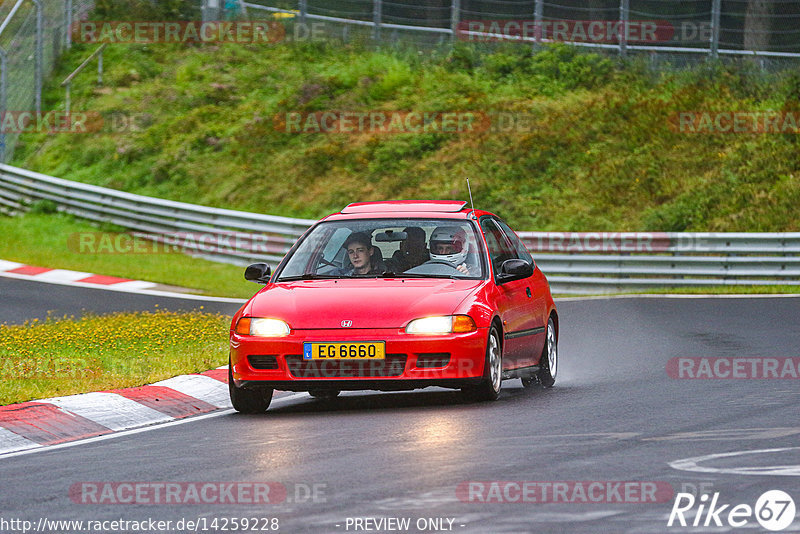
[{"x": 412, "y": 361}]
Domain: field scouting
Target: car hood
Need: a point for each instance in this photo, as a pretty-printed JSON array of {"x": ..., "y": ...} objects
[{"x": 368, "y": 303}]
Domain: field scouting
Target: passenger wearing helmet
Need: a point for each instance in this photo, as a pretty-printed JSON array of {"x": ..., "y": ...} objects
[{"x": 449, "y": 244}]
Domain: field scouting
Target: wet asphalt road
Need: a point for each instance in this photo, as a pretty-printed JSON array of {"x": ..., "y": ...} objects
[{"x": 615, "y": 415}]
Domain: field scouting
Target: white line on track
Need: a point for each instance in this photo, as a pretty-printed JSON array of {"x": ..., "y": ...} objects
[
  {"x": 281, "y": 400},
  {"x": 680, "y": 296},
  {"x": 691, "y": 464}
]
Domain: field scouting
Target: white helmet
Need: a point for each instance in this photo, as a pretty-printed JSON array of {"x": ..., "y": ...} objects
[{"x": 454, "y": 241}]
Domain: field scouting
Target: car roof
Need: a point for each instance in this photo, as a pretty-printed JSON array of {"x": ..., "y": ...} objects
[
  {"x": 394, "y": 206},
  {"x": 407, "y": 209}
]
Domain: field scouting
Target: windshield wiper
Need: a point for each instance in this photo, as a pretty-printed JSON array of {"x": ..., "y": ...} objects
[
  {"x": 310, "y": 276},
  {"x": 392, "y": 274}
]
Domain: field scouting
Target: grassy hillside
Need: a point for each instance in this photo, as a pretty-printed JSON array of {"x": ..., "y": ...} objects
[{"x": 600, "y": 153}]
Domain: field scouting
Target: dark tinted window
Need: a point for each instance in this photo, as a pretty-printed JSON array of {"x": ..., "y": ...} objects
[
  {"x": 516, "y": 242},
  {"x": 500, "y": 249}
]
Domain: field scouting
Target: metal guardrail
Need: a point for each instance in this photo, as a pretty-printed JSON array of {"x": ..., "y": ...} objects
[
  {"x": 635, "y": 260},
  {"x": 586, "y": 262},
  {"x": 218, "y": 234}
]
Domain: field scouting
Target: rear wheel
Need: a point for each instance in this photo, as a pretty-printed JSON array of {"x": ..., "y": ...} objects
[
  {"x": 489, "y": 388},
  {"x": 548, "y": 365},
  {"x": 248, "y": 400}
]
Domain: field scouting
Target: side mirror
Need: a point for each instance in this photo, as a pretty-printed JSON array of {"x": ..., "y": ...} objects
[
  {"x": 514, "y": 269},
  {"x": 258, "y": 272}
]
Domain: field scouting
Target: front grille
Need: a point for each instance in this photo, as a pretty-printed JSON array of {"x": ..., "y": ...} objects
[
  {"x": 393, "y": 365},
  {"x": 437, "y": 359},
  {"x": 263, "y": 361}
]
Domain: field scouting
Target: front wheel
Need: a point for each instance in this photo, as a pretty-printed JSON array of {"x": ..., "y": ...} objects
[
  {"x": 489, "y": 388},
  {"x": 248, "y": 400},
  {"x": 548, "y": 364}
]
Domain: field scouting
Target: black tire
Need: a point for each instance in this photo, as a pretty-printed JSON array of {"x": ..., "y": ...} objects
[
  {"x": 548, "y": 364},
  {"x": 489, "y": 388},
  {"x": 248, "y": 400},
  {"x": 324, "y": 394}
]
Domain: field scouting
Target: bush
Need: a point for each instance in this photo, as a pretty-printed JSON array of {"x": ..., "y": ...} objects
[{"x": 146, "y": 10}]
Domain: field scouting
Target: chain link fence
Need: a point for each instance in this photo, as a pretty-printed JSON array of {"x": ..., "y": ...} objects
[
  {"x": 762, "y": 28},
  {"x": 32, "y": 35}
]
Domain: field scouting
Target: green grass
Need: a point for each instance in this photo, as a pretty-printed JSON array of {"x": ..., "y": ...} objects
[
  {"x": 53, "y": 241},
  {"x": 65, "y": 356},
  {"x": 600, "y": 154}
]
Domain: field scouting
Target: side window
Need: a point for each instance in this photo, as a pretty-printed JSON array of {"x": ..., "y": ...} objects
[
  {"x": 519, "y": 246},
  {"x": 500, "y": 249}
]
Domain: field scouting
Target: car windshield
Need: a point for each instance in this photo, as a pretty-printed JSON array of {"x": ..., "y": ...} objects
[{"x": 397, "y": 248}]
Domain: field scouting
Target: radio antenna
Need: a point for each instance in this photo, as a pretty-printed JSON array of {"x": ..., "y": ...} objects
[{"x": 470, "y": 194}]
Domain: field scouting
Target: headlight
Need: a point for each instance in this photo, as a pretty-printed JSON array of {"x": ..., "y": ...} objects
[
  {"x": 258, "y": 326},
  {"x": 442, "y": 325}
]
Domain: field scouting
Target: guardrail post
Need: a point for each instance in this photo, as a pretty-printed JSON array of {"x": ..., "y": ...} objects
[
  {"x": 68, "y": 25},
  {"x": 3, "y": 69},
  {"x": 538, "y": 11},
  {"x": 716, "y": 8},
  {"x": 302, "y": 7},
  {"x": 377, "y": 6},
  {"x": 38, "y": 55},
  {"x": 455, "y": 17},
  {"x": 67, "y": 99},
  {"x": 623, "y": 26},
  {"x": 211, "y": 10}
]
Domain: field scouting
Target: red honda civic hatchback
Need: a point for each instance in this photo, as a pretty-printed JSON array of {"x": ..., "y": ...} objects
[{"x": 392, "y": 296}]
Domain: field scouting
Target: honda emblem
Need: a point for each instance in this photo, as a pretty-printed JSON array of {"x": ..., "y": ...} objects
[{"x": 347, "y": 324}]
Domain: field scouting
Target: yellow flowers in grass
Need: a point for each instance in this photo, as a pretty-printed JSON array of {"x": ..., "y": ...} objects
[{"x": 62, "y": 356}]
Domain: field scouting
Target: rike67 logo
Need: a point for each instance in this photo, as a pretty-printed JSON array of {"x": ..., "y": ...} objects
[{"x": 774, "y": 510}]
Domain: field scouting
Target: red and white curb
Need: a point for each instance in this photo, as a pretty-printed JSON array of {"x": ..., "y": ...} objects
[
  {"x": 13, "y": 269},
  {"x": 58, "y": 420},
  {"x": 21, "y": 271}
]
